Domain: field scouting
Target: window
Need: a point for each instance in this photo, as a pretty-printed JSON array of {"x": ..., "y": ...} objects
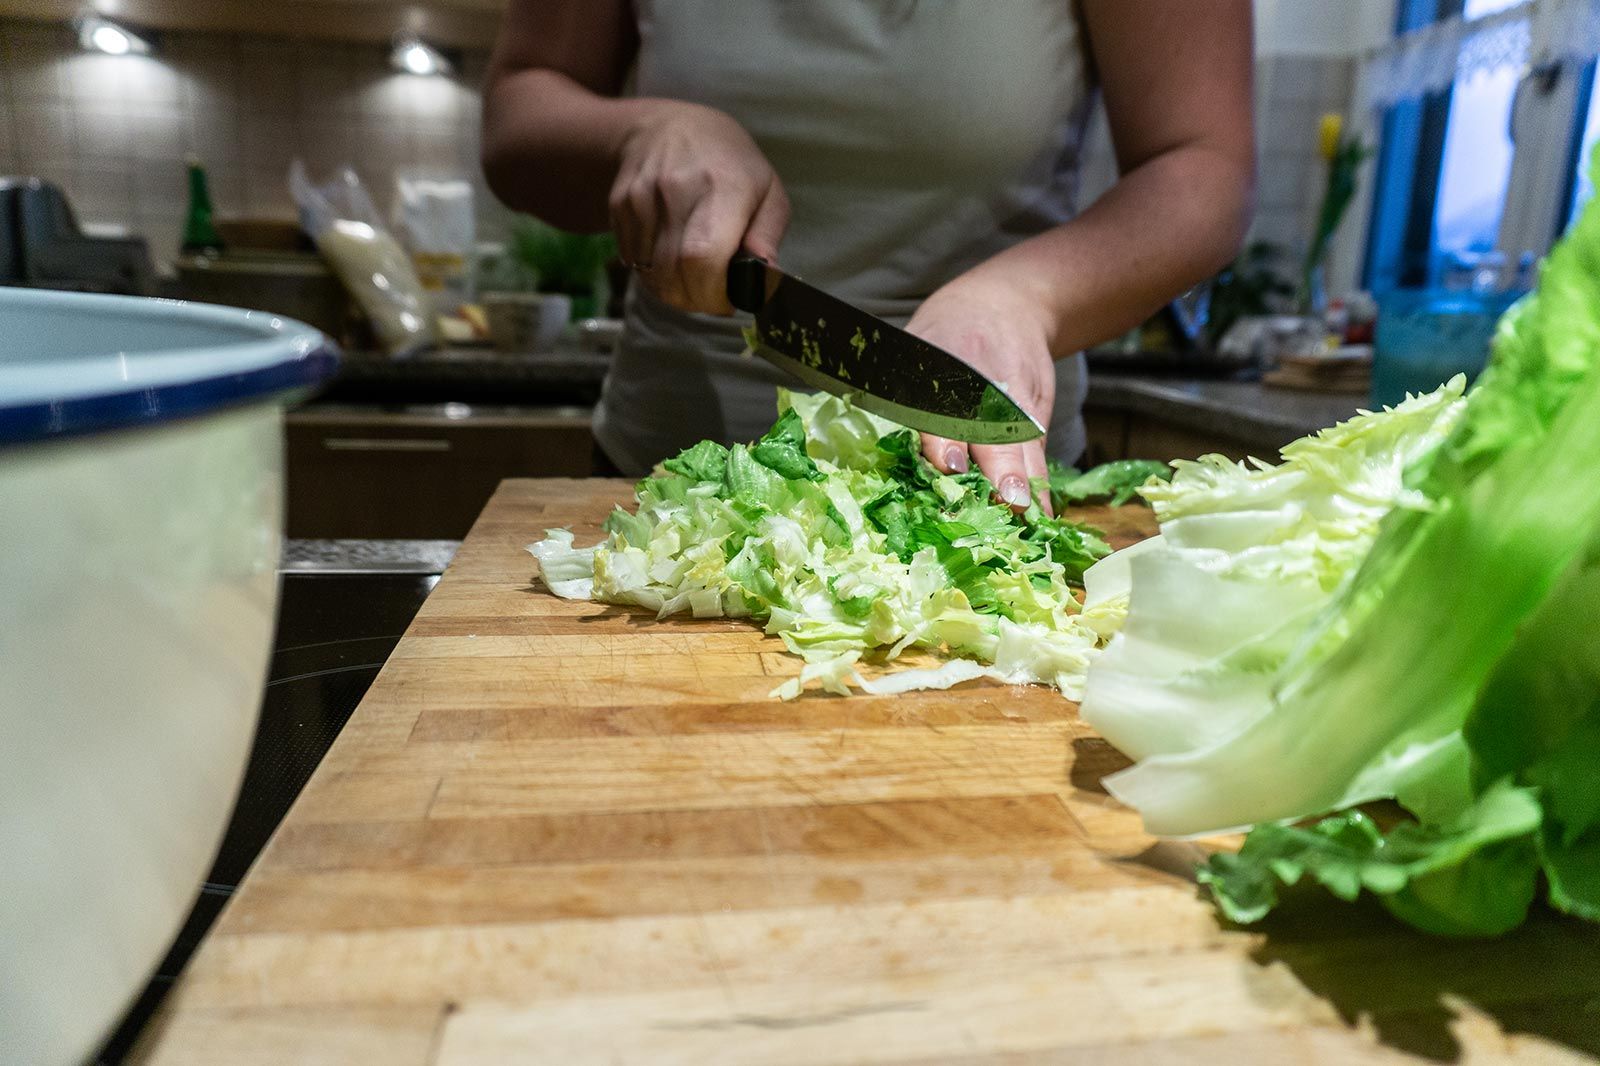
[
  {"x": 1588, "y": 135},
  {"x": 1475, "y": 170},
  {"x": 1457, "y": 183}
]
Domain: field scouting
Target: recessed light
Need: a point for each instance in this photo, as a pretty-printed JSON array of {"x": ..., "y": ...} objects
[
  {"x": 98, "y": 34},
  {"x": 415, "y": 56}
]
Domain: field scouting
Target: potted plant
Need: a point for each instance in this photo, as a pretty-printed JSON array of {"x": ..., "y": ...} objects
[
  {"x": 568, "y": 264},
  {"x": 545, "y": 278}
]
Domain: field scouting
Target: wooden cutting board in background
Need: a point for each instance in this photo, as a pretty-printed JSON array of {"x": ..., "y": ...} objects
[{"x": 567, "y": 833}]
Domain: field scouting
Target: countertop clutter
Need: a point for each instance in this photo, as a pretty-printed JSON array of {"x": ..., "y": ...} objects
[
  {"x": 412, "y": 447},
  {"x": 1244, "y": 412},
  {"x": 552, "y": 832}
]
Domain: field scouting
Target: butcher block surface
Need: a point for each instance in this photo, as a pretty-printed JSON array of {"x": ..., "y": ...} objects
[{"x": 568, "y": 833}]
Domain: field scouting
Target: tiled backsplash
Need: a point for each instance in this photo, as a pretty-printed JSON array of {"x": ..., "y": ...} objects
[
  {"x": 1292, "y": 95},
  {"x": 114, "y": 131}
]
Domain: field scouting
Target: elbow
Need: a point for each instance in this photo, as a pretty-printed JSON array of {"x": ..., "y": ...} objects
[
  {"x": 1237, "y": 209},
  {"x": 499, "y": 155},
  {"x": 498, "y": 165},
  {"x": 527, "y": 157},
  {"x": 1231, "y": 210}
]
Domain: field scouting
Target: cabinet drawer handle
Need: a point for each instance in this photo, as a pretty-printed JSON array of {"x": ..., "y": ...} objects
[{"x": 385, "y": 444}]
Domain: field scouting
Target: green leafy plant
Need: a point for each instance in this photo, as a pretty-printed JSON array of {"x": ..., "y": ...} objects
[
  {"x": 1343, "y": 157},
  {"x": 559, "y": 261}
]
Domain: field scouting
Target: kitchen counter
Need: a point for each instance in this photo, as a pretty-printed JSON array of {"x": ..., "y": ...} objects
[
  {"x": 565, "y": 832},
  {"x": 1254, "y": 415},
  {"x": 1246, "y": 413},
  {"x": 471, "y": 375}
]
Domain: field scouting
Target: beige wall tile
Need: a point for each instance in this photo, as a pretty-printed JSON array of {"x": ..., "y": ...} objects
[{"x": 46, "y": 132}]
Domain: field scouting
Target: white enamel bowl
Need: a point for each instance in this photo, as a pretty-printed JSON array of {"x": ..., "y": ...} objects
[{"x": 141, "y": 507}]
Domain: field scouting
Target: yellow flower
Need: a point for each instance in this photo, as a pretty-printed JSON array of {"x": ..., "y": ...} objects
[{"x": 1332, "y": 130}]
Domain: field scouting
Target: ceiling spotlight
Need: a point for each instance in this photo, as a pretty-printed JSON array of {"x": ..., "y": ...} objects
[
  {"x": 415, "y": 56},
  {"x": 98, "y": 34}
]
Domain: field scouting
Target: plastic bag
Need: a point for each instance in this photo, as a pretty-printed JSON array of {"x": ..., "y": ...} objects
[
  {"x": 433, "y": 216},
  {"x": 340, "y": 218}
]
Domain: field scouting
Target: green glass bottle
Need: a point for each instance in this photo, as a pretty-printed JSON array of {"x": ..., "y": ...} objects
[{"x": 200, "y": 235}]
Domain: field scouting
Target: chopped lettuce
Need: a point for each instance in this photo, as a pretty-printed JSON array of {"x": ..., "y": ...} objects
[
  {"x": 1116, "y": 482},
  {"x": 1410, "y": 617},
  {"x": 835, "y": 533},
  {"x": 1248, "y": 555}
]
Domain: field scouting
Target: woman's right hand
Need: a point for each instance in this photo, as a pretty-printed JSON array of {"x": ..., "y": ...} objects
[{"x": 692, "y": 190}]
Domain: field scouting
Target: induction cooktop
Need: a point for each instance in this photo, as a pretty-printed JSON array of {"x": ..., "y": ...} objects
[{"x": 341, "y": 612}]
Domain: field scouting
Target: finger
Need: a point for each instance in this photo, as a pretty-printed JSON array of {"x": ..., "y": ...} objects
[
  {"x": 1007, "y": 470},
  {"x": 947, "y": 456},
  {"x": 711, "y": 236},
  {"x": 678, "y": 192},
  {"x": 769, "y": 223},
  {"x": 625, "y": 223},
  {"x": 1033, "y": 462},
  {"x": 643, "y": 210}
]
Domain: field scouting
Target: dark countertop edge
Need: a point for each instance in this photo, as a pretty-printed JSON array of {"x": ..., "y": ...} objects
[
  {"x": 307, "y": 556},
  {"x": 1252, "y": 414}
]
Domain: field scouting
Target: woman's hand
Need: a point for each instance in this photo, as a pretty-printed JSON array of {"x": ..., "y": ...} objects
[
  {"x": 692, "y": 188},
  {"x": 1005, "y": 335}
]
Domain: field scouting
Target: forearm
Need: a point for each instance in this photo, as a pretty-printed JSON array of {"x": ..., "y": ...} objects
[
  {"x": 1168, "y": 224},
  {"x": 551, "y": 146}
]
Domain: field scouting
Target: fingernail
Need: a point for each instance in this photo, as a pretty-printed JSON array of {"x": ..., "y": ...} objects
[
  {"x": 1014, "y": 491},
  {"x": 955, "y": 460}
]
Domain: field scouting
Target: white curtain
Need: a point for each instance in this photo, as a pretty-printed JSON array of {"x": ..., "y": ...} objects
[{"x": 1532, "y": 33}]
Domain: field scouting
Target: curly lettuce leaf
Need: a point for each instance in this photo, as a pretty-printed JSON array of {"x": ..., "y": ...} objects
[
  {"x": 1248, "y": 555},
  {"x": 1538, "y": 719},
  {"x": 1117, "y": 482},
  {"x": 1473, "y": 877}
]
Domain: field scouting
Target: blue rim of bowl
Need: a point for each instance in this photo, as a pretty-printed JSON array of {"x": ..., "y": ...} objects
[{"x": 309, "y": 359}]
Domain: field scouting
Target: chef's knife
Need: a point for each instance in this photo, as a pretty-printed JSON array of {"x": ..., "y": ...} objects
[{"x": 841, "y": 349}]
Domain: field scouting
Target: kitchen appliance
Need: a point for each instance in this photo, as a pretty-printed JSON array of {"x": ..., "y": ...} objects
[
  {"x": 342, "y": 606},
  {"x": 1427, "y": 336},
  {"x": 141, "y": 469},
  {"x": 840, "y": 349},
  {"x": 41, "y": 246}
]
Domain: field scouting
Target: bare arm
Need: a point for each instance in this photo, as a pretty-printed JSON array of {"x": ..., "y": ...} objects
[
  {"x": 552, "y": 122},
  {"x": 1177, "y": 85},
  {"x": 681, "y": 185}
]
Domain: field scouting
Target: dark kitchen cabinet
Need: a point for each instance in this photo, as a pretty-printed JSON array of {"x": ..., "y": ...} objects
[
  {"x": 1119, "y": 435},
  {"x": 363, "y": 472}
]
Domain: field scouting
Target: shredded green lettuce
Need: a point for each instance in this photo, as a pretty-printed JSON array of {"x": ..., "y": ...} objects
[
  {"x": 835, "y": 533},
  {"x": 1116, "y": 482}
]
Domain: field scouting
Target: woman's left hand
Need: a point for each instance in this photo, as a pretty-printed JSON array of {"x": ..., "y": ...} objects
[{"x": 1004, "y": 336}]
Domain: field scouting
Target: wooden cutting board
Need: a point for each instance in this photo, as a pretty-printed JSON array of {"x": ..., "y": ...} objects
[{"x": 568, "y": 833}]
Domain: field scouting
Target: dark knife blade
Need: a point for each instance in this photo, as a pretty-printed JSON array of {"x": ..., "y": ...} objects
[{"x": 840, "y": 349}]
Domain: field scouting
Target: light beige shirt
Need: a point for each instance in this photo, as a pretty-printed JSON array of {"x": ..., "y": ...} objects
[{"x": 915, "y": 138}]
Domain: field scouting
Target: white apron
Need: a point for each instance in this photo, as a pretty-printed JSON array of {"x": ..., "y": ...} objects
[{"x": 915, "y": 138}]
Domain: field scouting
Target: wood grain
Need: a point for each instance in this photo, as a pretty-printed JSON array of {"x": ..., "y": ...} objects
[{"x": 568, "y": 833}]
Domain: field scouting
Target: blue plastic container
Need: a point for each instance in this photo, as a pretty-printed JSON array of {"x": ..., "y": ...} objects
[{"x": 1427, "y": 336}]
